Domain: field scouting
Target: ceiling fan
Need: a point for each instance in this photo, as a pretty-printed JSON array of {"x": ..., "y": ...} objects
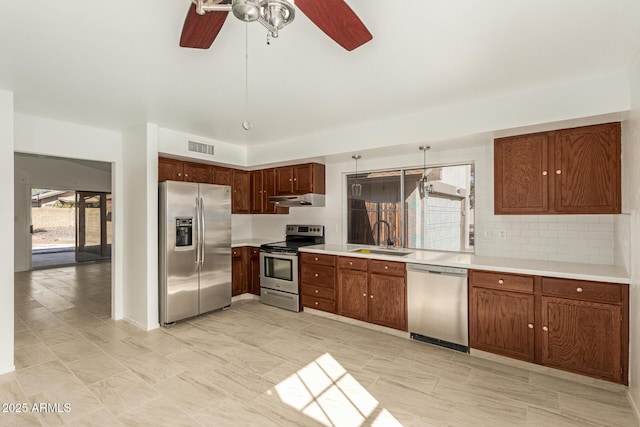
[{"x": 334, "y": 17}]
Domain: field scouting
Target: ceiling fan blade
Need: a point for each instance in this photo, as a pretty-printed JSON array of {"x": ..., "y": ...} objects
[
  {"x": 199, "y": 31},
  {"x": 336, "y": 19}
]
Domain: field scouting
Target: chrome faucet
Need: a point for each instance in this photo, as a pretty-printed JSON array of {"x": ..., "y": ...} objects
[{"x": 382, "y": 221}]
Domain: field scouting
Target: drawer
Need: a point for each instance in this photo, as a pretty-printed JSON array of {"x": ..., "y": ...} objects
[
  {"x": 317, "y": 259},
  {"x": 254, "y": 251},
  {"x": 318, "y": 304},
  {"x": 236, "y": 252},
  {"x": 318, "y": 275},
  {"x": 352, "y": 263},
  {"x": 387, "y": 267},
  {"x": 507, "y": 282},
  {"x": 578, "y": 289},
  {"x": 318, "y": 292}
]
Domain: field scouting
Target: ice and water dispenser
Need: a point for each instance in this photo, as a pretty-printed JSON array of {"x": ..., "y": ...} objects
[{"x": 184, "y": 232}]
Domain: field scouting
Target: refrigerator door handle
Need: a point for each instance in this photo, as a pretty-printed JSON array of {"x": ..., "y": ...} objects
[
  {"x": 202, "y": 227},
  {"x": 197, "y": 227}
]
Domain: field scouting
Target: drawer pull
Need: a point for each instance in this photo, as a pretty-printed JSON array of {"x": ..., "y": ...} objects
[
  {"x": 530, "y": 325},
  {"x": 386, "y": 267},
  {"x": 578, "y": 289},
  {"x": 350, "y": 262},
  {"x": 500, "y": 281},
  {"x": 316, "y": 275},
  {"x": 316, "y": 302},
  {"x": 545, "y": 328},
  {"x": 316, "y": 291},
  {"x": 315, "y": 259}
]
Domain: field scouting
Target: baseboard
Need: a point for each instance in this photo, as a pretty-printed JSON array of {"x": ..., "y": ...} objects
[
  {"x": 245, "y": 296},
  {"x": 140, "y": 325},
  {"x": 7, "y": 370}
]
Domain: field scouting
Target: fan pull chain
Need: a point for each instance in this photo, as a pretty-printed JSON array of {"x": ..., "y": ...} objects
[{"x": 246, "y": 125}]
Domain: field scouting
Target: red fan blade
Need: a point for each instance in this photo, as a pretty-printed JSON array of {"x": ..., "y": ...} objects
[
  {"x": 336, "y": 19},
  {"x": 199, "y": 31}
]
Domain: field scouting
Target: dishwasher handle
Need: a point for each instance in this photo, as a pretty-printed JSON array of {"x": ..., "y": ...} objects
[{"x": 437, "y": 269}]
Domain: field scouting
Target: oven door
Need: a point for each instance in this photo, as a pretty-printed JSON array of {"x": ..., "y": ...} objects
[{"x": 279, "y": 271}]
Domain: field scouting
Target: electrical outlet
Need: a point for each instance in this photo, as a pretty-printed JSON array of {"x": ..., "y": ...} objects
[
  {"x": 502, "y": 234},
  {"x": 486, "y": 234}
]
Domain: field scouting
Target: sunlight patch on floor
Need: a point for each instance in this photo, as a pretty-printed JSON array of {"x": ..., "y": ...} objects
[{"x": 324, "y": 391}]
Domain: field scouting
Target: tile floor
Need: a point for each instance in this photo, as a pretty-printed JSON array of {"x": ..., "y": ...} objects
[{"x": 260, "y": 366}]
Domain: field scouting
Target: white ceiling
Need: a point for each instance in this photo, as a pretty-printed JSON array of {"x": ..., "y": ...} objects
[{"x": 115, "y": 64}]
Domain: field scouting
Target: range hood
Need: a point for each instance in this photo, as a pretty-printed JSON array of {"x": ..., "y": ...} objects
[{"x": 309, "y": 199}]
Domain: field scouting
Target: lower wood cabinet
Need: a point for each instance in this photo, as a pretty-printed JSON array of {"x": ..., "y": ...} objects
[
  {"x": 239, "y": 276},
  {"x": 245, "y": 270},
  {"x": 574, "y": 325},
  {"x": 317, "y": 281},
  {"x": 373, "y": 291}
]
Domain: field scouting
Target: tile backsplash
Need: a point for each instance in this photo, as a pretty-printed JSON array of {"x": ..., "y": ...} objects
[{"x": 567, "y": 238}]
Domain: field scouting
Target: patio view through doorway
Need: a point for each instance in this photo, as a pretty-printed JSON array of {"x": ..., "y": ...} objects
[{"x": 69, "y": 227}]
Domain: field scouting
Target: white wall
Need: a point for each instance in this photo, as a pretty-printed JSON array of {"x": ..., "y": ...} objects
[
  {"x": 175, "y": 143},
  {"x": 6, "y": 229},
  {"x": 577, "y": 99},
  {"x": 570, "y": 238},
  {"x": 51, "y": 173},
  {"x": 631, "y": 206},
  {"x": 140, "y": 201}
]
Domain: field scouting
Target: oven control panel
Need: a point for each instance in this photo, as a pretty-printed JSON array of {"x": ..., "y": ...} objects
[{"x": 305, "y": 230}]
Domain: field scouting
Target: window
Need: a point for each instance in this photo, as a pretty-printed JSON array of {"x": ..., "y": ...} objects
[{"x": 391, "y": 211}]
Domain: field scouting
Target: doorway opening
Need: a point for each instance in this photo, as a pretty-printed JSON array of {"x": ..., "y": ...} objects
[{"x": 69, "y": 227}]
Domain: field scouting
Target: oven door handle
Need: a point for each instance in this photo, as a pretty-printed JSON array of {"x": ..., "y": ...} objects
[{"x": 278, "y": 255}]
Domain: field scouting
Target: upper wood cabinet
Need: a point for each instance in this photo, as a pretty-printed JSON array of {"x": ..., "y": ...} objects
[
  {"x": 570, "y": 171},
  {"x": 221, "y": 176},
  {"x": 241, "y": 192},
  {"x": 197, "y": 172},
  {"x": 170, "y": 169},
  {"x": 300, "y": 179}
]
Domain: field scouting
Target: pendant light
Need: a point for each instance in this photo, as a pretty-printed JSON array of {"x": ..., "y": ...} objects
[
  {"x": 356, "y": 188},
  {"x": 422, "y": 183}
]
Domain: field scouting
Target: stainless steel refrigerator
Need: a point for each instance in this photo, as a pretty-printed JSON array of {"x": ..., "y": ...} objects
[{"x": 195, "y": 249}]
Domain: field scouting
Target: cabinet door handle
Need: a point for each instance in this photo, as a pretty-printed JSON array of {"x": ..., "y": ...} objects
[
  {"x": 371, "y": 296},
  {"x": 579, "y": 289},
  {"x": 316, "y": 275},
  {"x": 364, "y": 295},
  {"x": 316, "y": 291},
  {"x": 295, "y": 179},
  {"x": 558, "y": 171},
  {"x": 179, "y": 174},
  {"x": 316, "y": 302},
  {"x": 530, "y": 325},
  {"x": 186, "y": 174},
  {"x": 289, "y": 179},
  {"x": 545, "y": 328},
  {"x": 544, "y": 173},
  {"x": 500, "y": 281}
]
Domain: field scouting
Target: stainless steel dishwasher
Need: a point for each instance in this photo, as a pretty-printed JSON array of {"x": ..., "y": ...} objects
[{"x": 437, "y": 305}]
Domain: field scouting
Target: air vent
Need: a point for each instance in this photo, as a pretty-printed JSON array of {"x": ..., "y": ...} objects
[{"x": 198, "y": 147}]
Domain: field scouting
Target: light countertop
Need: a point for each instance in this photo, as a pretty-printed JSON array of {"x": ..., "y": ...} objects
[
  {"x": 567, "y": 270},
  {"x": 249, "y": 242}
]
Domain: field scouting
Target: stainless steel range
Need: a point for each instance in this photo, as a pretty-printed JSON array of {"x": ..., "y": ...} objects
[{"x": 279, "y": 266}]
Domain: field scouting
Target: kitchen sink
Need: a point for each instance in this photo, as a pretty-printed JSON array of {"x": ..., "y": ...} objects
[{"x": 392, "y": 252}]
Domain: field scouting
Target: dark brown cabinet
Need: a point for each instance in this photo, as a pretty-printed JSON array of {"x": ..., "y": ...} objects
[
  {"x": 318, "y": 281},
  {"x": 300, "y": 179},
  {"x": 170, "y": 169},
  {"x": 574, "y": 325},
  {"x": 239, "y": 276},
  {"x": 254, "y": 271},
  {"x": 221, "y": 176},
  {"x": 241, "y": 192},
  {"x": 572, "y": 171},
  {"x": 258, "y": 194},
  {"x": 373, "y": 291},
  {"x": 197, "y": 172}
]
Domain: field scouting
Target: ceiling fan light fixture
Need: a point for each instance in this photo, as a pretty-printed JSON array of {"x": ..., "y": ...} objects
[
  {"x": 246, "y": 10},
  {"x": 277, "y": 13}
]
